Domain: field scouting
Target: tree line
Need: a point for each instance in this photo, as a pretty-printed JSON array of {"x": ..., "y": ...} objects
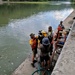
[{"x": 36, "y": 0}]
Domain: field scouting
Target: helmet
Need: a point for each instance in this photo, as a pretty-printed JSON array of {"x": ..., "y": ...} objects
[
  {"x": 45, "y": 41},
  {"x": 32, "y": 34},
  {"x": 44, "y": 32}
]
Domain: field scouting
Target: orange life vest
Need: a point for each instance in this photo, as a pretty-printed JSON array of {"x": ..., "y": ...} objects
[
  {"x": 60, "y": 28},
  {"x": 33, "y": 43}
]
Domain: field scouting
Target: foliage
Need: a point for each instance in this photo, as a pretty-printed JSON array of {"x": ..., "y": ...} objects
[{"x": 38, "y": 0}]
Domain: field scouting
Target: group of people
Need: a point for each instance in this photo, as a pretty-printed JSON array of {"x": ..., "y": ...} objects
[{"x": 45, "y": 43}]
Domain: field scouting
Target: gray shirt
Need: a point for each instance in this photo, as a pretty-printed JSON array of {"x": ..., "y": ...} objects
[{"x": 44, "y": 50}]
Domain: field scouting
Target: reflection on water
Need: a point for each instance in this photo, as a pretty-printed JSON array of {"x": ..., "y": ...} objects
[
  {"x": 20, "y": 11},
  {"x": 14, "y": 36},
  {"x": 60, "y": 2}
]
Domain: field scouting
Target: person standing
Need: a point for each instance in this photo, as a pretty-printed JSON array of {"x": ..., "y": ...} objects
[
  {"x": 33, "y": 43},
  {"x": 40, "y": 36},
  {"x": 61, "y": 26},
  {"x": 50, "y": 37},
  {"x": 45, "y": 52}
]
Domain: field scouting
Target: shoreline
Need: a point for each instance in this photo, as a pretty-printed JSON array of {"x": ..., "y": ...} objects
[
  {"x": 25, "y": 2},
  {"x": 34, "y": 2}
]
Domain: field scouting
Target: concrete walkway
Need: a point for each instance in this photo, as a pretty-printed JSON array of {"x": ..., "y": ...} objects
[
  {"x": 69, "y": 20},
  {"x": 25, "y": 68},
  {"x": 65, "y": 61}
]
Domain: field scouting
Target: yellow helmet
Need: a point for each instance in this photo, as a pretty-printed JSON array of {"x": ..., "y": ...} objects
[{"x": 44, "y": 33}]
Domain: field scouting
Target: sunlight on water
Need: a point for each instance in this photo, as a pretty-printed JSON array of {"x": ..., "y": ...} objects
[
  {"x": 59, "y": 3},
  {"x": 22, "y": 28}
]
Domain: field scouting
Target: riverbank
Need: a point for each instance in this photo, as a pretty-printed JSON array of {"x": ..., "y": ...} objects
[
  {"x": 42, "y": 2},
  {"x": 27, "y": 2},
  {"x": 25, "y": 68}
]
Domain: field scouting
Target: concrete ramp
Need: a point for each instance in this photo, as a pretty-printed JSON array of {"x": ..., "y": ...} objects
[{"x": 25, "y": 68}]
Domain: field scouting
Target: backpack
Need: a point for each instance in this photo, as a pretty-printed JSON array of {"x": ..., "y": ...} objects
[{"x": 45, "y": 50}]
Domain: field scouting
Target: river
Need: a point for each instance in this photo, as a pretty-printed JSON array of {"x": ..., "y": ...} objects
[{"x": 17, "y": 21}]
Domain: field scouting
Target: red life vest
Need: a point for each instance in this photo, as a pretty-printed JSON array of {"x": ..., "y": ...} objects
[
  {"x": 60, "y": 28},
  {"x": 33, "y": 43}
]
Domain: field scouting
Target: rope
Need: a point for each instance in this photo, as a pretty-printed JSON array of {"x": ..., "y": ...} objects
[{"x": 39, "y": 70}]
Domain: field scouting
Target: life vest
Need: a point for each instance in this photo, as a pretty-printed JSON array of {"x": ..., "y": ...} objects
[
  {"x": 60, "y": 28},
  {"x": 33, "y": 43}
]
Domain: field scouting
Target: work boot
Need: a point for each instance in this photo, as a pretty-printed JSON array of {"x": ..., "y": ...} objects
[
  {"x": 34, "y": 61},
  {"x": 32, "y": 64}
]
